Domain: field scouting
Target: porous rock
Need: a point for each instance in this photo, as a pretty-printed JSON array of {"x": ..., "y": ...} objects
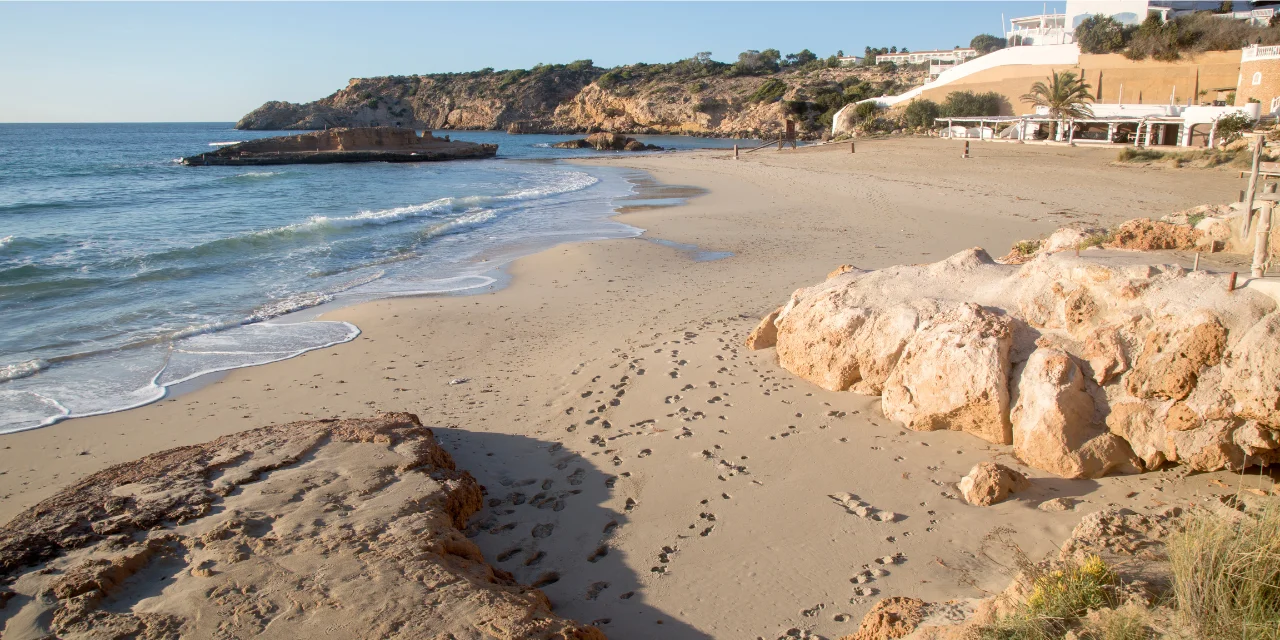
[
  {"x": 765, "y": 334},
  {"x": 954, "y": 374},
  {"x": 1053, "y": 422},
  {"x": 890, "y": 618},
  {"x": 1251, "y": 372},
  {"x": 303, "y": 528},
  {"x": 990, "y": 482}
]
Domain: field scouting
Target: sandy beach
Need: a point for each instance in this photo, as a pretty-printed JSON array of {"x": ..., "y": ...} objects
[{"x": 687, "y": 480}]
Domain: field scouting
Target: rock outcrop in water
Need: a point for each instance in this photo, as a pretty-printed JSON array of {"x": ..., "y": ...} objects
[
  {"x": 1086, "y": 365},
  {"x": 293, "y": 531},
  {"x": 607, "y": 142},
  {"x": 687, "y": 97},
  {"x": 368, "y": 144}
]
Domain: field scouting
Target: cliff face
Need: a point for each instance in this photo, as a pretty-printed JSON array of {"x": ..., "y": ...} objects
[{"x": 580, "y": 98}]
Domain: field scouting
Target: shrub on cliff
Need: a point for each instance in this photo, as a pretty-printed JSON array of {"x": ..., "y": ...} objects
[
  {"x": 986, "y": 43},
  {"x": 771, "y": 91},
  {"x": 1102, "y": 34},
  {"x": 752, "y": 62}
]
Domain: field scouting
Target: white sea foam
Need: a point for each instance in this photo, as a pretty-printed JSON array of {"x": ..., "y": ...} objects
[
  {"x": 223, "y": 144},
  {"x": 22, "y": 369},
  {"x": 258, "y": 174},
  {"x": 298, "y": 302},
  {"x": 6, "y": 241}
]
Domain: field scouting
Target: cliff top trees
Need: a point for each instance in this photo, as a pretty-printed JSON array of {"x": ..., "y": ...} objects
[
  {"x": 1102, "y": 34},
  {"x": 985, "y": 43},
  {"x": 1065, "y": 95}
]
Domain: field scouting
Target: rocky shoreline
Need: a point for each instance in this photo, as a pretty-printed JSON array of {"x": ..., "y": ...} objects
[
  {"x": 351, "y": 525},
  {"x": 344, "y": 145}
]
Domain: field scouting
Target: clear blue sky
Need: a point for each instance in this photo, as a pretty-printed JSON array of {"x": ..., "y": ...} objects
[{"x": 175, "y": 62}]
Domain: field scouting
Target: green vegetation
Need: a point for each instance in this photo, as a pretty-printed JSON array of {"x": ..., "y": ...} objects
[
  {"x": 986, "y": 43},
  {"x": 1026, "y": 247},
  {"x": 960, "y": 104},
  {"x": 1230, "y": 127},
  {"x": 1161, "y": 40},
  {"x": 1058, "y": 599},
  {"x": 771, "y": 91},
  {"x": 1101, "y": 34},
  {"x": 1227, "y": 575},
  {"x": 921, "y": 113},
  {"x": 1066, "y": 96}
]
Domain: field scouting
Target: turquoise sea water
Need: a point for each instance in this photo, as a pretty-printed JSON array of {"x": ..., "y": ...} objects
[{"x": 122, "y": 272}]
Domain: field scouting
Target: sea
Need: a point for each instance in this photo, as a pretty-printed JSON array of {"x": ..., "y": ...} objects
[{"x": 124, "y": 273}]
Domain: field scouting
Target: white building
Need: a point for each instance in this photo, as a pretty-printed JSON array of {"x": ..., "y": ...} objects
[
  {"x": 945, "y": 56},
  {"x": 850, "y": 61},
  {"x": 1059, "y": 28}
]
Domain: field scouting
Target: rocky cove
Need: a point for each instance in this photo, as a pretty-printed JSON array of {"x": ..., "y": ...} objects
[{"x": 687, "y": 97}]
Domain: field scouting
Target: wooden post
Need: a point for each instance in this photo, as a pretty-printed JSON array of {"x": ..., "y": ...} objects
[
  {"x": 853, "y": 147},
  {"x": 735, "y": 152},
  {"x": 1262, "y": 236},
  {"x": 1231, "y": 282},
  {"x": 1196, "y": 266},
  {"x": 1252, "y": 188},
  {"x": 966, "y": 149}
]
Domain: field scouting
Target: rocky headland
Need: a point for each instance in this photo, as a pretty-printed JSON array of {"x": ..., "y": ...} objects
[
  {"x": 364, "y": 144},
  {"x": 687, "y": 97},
  {"x": 298, "y": 530}
]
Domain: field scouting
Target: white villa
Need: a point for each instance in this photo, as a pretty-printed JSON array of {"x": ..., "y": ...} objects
[{"x": 1059, "y": 28}]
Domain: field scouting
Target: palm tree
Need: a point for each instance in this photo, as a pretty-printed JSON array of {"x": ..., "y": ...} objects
[{"x": 1066, "y": 96}]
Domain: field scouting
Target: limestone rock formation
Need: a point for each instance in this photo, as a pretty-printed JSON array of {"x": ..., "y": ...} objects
[
  {"x": 765, "y": 334},
  {"x": 988, "y": 483},
  {"x": 954, "y": 374},
  {"x": 687, "y": 97},
  {"x": 293, "y": 531},
  {"x": 1143, "y": 234},
  {"x": 1053, "y": 422},
  {"x": 1088, "y": 364},
  {"x": 890, "y": 618},
  {"x": 365, "y": 144}
]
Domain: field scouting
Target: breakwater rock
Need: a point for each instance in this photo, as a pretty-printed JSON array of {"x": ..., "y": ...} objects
[
  {"x": 1087, "y": 365},
  {"x": 365, "y": 144},
  {"x": 287, "y": 531}
]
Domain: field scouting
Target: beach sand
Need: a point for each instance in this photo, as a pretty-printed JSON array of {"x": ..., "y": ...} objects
[{"x": 703, "y": 471}]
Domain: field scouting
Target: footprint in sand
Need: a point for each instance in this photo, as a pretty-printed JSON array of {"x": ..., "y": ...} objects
[
  {"x": 610, "y": 481},
  {"x": 578, "y": 474},
  {"x": 600, "y": 552},
  {"x": 627, "y": 595},
  {"x": 548, "y": 578},
  {"x": 594, "y": 590},
  {"x": 542, "y": 530},
  {"x": 645, "y": 453},
  {"x": 610, "y": 526},
  {"x": 631, "y": 504},
  {"x": 534, "y": 558},
  {"x": 508, "y": 554}
]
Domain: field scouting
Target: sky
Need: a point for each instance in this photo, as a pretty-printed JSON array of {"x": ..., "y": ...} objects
[{"x": 214, "y": 62}]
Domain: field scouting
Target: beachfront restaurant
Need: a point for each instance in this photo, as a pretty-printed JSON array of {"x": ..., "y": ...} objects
[{"x": 1194, "y": 126}]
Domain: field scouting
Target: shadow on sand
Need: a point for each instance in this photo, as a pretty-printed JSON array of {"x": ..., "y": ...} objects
[{"x": 546, "y": 520}]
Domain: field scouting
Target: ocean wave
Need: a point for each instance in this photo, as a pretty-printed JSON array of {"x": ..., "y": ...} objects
[
  {"x": 6, "y": 241},
  {"x": 22, "y": 369},
  {"x": 297, "y": 302},
  {"x": 224, "y": 144},
  {"x": 252, "y": 175}
]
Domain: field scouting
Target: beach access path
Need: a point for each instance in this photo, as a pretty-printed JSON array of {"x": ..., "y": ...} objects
[{"x": 685, "y": 481}]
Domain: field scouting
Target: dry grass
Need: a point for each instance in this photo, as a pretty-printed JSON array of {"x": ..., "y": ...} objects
[
  {"x": 1239, "y": 158},
  {"x": 1059, "y": 598},
  {"x": 1227, "y": 575}
]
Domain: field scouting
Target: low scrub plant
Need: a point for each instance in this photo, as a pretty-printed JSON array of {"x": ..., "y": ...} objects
[
  {"x": 1227, "y": 575},
  {"x": 1058, "y": 599}
]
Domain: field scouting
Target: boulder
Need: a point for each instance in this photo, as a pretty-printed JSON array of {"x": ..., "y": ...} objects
[
  {"x": 1053, "y": 421},
  {"x": 1251, "y": 372},
  {"x": 989, "y": 483},
  {"x": 1135, "y": 421},
  {"x": 571, "y": 144},
  {"x": 765, "y": 334},
  {"x": 1174, "y": 351},
  {"x": 954, "y": 374},
  {"x": 1067, "y": 238}
]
